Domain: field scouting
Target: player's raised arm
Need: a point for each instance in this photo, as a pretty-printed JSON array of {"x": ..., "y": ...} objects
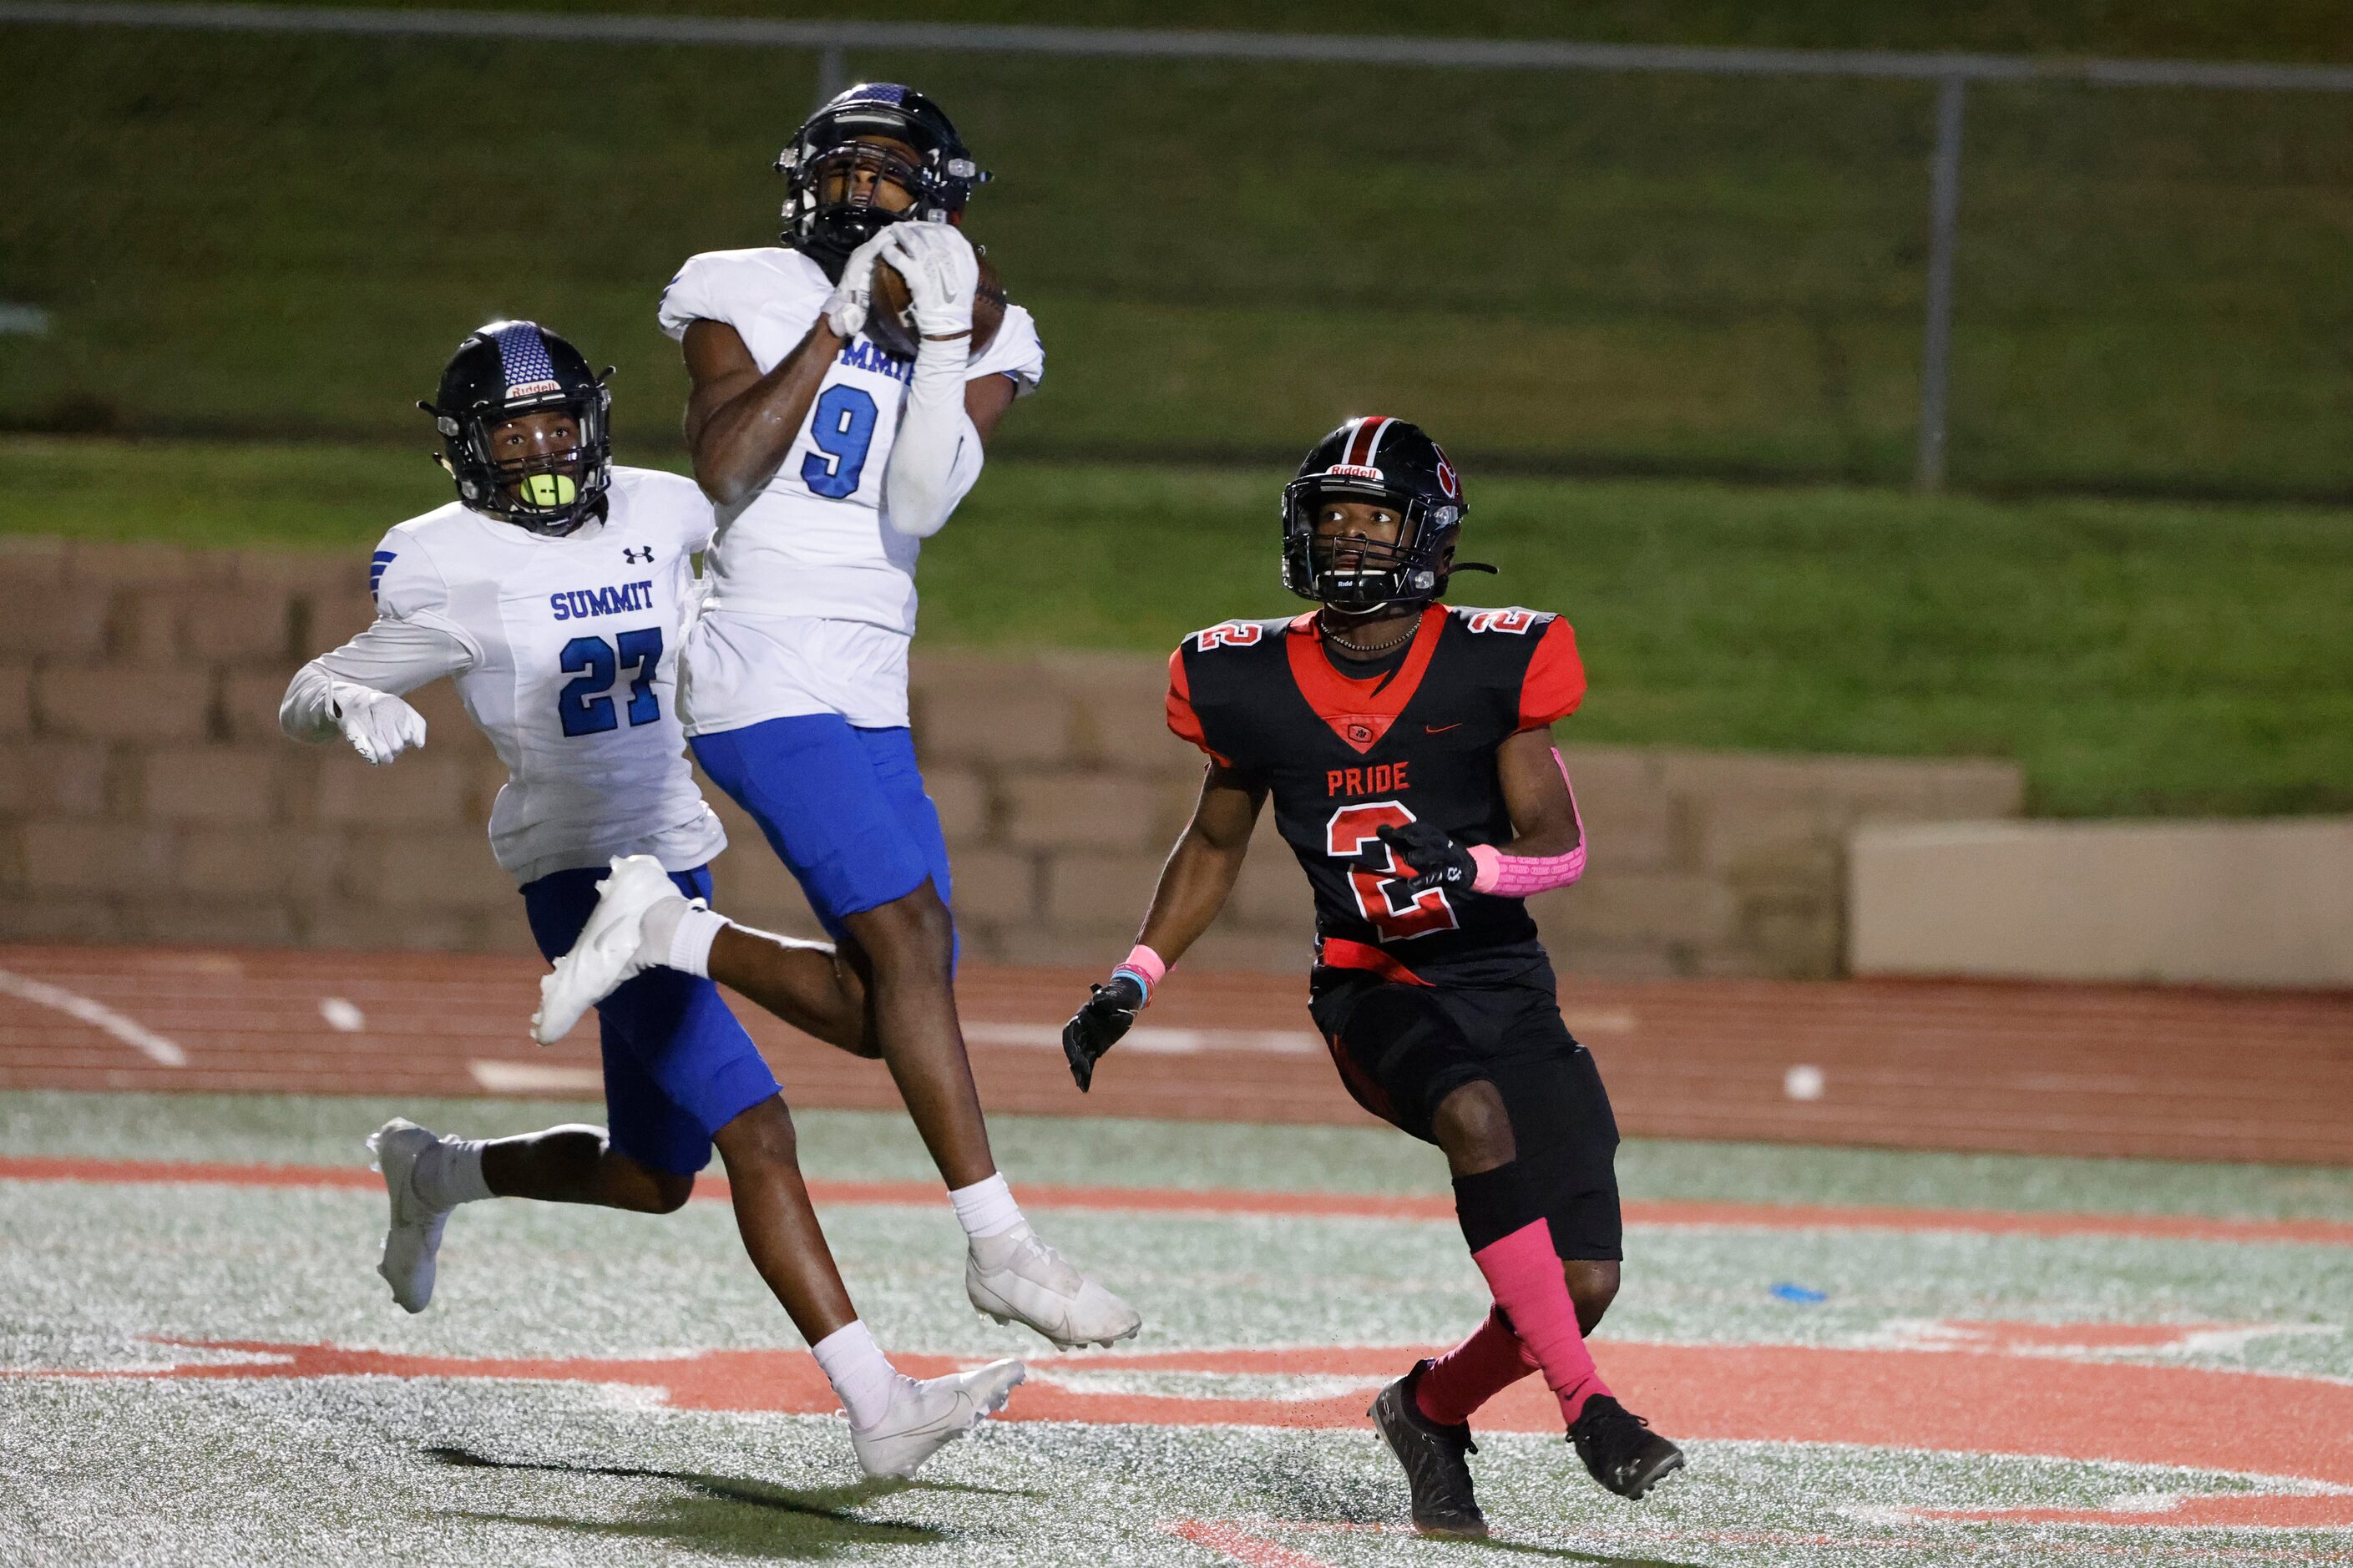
[
  {"x": 740, "y": 424},
  {"x": 1193, "y": 885}
]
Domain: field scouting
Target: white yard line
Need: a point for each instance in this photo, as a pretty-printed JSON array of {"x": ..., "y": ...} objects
[
  {"x": 137, "y": 1035},
  {"x": 536, "y": 1078}
]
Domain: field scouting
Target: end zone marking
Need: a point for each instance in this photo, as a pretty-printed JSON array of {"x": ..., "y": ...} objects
[
  {"x": 1311, "y": 1205},
  {"x": 98, "y": 1014},
  {"x": 2099, "y": 1412}
]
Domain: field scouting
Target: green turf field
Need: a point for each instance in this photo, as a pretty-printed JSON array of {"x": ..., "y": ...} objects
[
  {"x": 259, "y": 235},
  {"x": 208, "y": 1372},
  {"x": 2135, "y": 657}
]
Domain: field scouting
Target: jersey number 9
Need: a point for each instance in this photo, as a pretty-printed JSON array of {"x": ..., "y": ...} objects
[{"x": 841, "y": 427}]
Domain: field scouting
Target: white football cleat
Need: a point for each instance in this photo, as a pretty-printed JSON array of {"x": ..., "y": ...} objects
[
  {"x": 1016, "y": 1277},
  {"x": 413, "y": 1240},
  {"x": 606, "y": 955},
  {"x": 926, "y": 1416}
]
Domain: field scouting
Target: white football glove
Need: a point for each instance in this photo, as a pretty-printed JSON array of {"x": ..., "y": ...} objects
[
  {"x": 943, "y": 275},
  {"x": 379, "y": 725},
  {"x": 845, "y": 309}
]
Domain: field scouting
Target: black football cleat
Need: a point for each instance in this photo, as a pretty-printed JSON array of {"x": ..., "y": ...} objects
[
  {"x": 1443, "y": 1505},
  {"x": 1621, "y": 1449}
]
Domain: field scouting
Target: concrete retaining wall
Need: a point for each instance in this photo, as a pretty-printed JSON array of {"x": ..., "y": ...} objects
[
  {"x": 146, "y": 794},
  {"x": 2227, "y": 903}
]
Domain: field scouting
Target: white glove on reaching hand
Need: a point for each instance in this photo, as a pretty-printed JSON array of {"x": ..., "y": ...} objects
[
  {"x": 845, "y": 309},
  {"x": 942, "y": 274},
  {"x": 379, "y": 725}
]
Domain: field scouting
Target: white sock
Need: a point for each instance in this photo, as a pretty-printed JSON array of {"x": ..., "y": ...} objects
[
  {"x": 449, "y": 1174},
  {"x": 985, "y": 1208},
  {"x": 860, "y": 1373},
  {"x": 689, "y": 945}
]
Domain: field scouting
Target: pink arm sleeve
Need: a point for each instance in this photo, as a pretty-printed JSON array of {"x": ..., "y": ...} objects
[
  {"x": 1147, "y": 966},
  {"x": 1518, "y": 876}
]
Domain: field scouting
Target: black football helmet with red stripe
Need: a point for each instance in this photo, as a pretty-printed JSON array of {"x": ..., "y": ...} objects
[{"x": 1390, "y": 463}]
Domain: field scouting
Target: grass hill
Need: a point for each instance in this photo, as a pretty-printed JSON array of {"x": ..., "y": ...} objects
[{"x": 263, "y": 234}]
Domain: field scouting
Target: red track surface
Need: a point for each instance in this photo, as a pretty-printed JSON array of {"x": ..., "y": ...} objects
[{"x": 2070, "y": 1069}]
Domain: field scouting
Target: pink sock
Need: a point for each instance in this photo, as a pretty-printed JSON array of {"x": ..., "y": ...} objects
[
  {"x": 1526, "y": 1278},
  {"x": 1472, "y": 1372}
]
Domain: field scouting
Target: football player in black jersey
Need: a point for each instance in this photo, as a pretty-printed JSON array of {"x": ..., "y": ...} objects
[{"x": 1408, "y": 749}]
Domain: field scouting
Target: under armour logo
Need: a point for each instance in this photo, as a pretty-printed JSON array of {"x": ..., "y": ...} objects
[{"x": 638, "y": 557}]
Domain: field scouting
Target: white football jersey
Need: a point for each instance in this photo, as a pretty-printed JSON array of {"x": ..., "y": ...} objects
[
  {"x": 817, "y": 542},
  {"x": 571, "y": 665}
]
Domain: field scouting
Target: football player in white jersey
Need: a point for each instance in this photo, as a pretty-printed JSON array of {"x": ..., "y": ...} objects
[
  {"x": 551, "y": 593},
  {"x": 830, "y": 461}
]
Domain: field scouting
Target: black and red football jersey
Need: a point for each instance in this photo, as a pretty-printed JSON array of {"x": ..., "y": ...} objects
[{"x": 1342, "y": 757}]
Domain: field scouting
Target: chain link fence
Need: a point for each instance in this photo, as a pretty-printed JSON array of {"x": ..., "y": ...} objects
[{"x": 1687, "y": 262}]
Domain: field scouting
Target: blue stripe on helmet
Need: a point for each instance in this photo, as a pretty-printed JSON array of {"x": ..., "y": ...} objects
[{"x": 522, "y": 355}]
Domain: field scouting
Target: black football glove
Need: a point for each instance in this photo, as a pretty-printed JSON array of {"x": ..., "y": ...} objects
[
  {"x": 1109, "y": 1012},
  {"x": 1429, "y": 857}
]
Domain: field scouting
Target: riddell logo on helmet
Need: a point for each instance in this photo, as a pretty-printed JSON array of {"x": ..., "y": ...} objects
[
  {"x": 534, "y": 388},
  {"x": 1354, "y": 471}
]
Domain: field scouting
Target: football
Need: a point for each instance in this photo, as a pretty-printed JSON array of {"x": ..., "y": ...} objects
[{"x": 890, "y": 319}]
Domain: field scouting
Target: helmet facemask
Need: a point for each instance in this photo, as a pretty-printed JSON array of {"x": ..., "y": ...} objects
[
  {"x": 869, "y": 136},
  {"x": 1357, "y": 576},
  {"x": 851, "y": 189},
  {"x": 551, "y": 490},
  {"x": 542, "y": 491}
]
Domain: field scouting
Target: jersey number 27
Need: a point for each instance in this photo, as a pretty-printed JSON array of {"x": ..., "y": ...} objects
[
  {"x": 1354, "y": 829},
  {"x": 584, "y": 705}
]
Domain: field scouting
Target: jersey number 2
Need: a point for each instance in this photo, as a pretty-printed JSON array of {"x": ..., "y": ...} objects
[
  {"x": 583, "y": 704},
  {"x": 1352, "y": 831},
  {"x": 841, "y": 427}
]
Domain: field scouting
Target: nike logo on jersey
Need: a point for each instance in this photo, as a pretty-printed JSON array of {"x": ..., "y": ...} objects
[
  {"x": 637, "y": 557},
  {"x": 581, "y": 603},
  {"x": 1442, "y": 728}
]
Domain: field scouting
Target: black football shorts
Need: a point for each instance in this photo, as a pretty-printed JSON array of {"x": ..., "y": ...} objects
[{"x": 1402, "y": 1049}]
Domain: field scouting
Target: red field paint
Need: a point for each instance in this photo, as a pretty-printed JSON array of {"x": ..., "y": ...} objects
[
  {"x": 1232, "y": 1542},
  {"x": 1330, "y": 1205},
  {"x": 1997, "y": 1401}
]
